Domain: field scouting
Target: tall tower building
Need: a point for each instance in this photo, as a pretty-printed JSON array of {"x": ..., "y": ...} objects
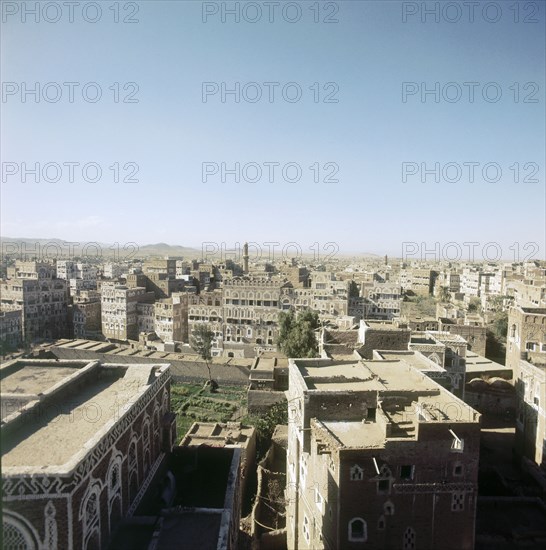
[{"x": 245, "y": 258}]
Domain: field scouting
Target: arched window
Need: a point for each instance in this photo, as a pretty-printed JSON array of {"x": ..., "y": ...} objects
[
  {"x": 156, "y": 430},
  {"x": 357, "y": 473},
  {"x": 114, "y": 491},
  {"x": 408, "y": 542},
  {"x": 90, "y": 516},
  {"x": 165, "y": 405},
  {"x": 358, "y": 531},
  {"x": 388, "y": 507},
  {"x": 17, "y": 532},
  {"x": 146, "y": 441},
  {"x": 384, "y": 480},
  {"x": 381, "y": 523},
  {"x": 114, "y": 481},
  {"x": 133, "y": 459}
]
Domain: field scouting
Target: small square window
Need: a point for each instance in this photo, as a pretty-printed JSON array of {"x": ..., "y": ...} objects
[
  {"x": 406, "y": 471},
  {"x": 458, "y": 470},
  {"x": 383, "y": 486}
]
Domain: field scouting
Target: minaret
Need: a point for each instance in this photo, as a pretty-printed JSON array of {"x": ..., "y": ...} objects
[
  {"x": 386, "y": 260},
  {"x": 245, "y": 258}
]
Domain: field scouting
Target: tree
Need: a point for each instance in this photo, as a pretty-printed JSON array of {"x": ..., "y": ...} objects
[
  {"x": 201, "y": 342},
  {"x": 500, "y": 326},
  {"x": 474, "y": 305},
  {"x": 297, "y": 334},
  {"x": 265, "y": 425}
]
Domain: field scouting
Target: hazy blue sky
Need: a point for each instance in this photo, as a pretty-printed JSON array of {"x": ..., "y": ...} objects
[{"x": 169, "y": 132}]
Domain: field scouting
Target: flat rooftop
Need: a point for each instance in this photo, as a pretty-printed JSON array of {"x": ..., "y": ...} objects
[
  {"x": 534, "y": 310},
  {"x": 215, "y": 434},
  {"x": 478, "y": 364},
  {"x": 447, "y": 337},
  {"x": 62, "y": 426},
  {"x": 338, "y": 375},
  {"x": 415, "y": 359},
  {"x": 24, "y": 381},
  {"x": 424, "y": 399},
  {"x": 354, "y": 434},
  {"x": 107, "y": 348},
  {"x": 383, "y": 325},
  {"x": 380, "y": 375},
  {"x": 31, "y": 379}
]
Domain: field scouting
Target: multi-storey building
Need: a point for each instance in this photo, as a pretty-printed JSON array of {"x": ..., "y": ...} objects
[
  {"x": 169, "y": 320},
  {"x": 490, "y": 283},
  {"x": 359, "y": 307},
  {"x": 420, "y": 281},
  {"x": 146, "y": 317},
  {"x": 383, "y": 300},
  {"x": 86, "y": 314},
  {"x": 161, "y": 284},
  {"x": 42, "y": 298},
  {"x": 531, "y": 411},
  {"x": 296, "y": 298},
  {"x": 329, "y": 296},
  {"x": 182, "y": 269},
  {"x": 207, "y": 307},
  {"x": 526, "y": 337},
  {"x": 251, "y": 310},
  {"x": 81, "y": 442},
  {"x": 528, "y": 292},
  {"x": 475, "y": 336},
  {"x": 157, "y": 267},
  {"x": 526, "y": 356},
  {"x": 11, "y": 328},
  {"x": 112, "y": 270},
  {"x": 119, "y": 310},
  {"x": 470, "y": 281},
  {"x": 379, "y": 456},
  {"x": 298, "y": 276},
  {"x": 31, "y": 270},
  {"x": 203, "y": 273},
  {"x": 80, "y": 276}
]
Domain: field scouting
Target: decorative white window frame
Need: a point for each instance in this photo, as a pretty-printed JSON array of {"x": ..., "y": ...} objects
[
  {"x": 23, "y": 526},
  {"x": 357, "y": 473},
  {"x": 364, "y": 536},
  {"x": 91, "y": 525}
]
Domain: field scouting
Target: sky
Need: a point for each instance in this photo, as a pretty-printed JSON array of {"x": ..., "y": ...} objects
[{"x": 364, "y": 158}]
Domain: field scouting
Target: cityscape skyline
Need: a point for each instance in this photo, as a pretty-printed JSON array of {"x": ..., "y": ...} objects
[
  {"x": 431, "y": 251},
  {"x": 273, "y": 274}
]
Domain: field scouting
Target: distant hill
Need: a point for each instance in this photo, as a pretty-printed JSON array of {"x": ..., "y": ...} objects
[{"x": 61, "y": 248}]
